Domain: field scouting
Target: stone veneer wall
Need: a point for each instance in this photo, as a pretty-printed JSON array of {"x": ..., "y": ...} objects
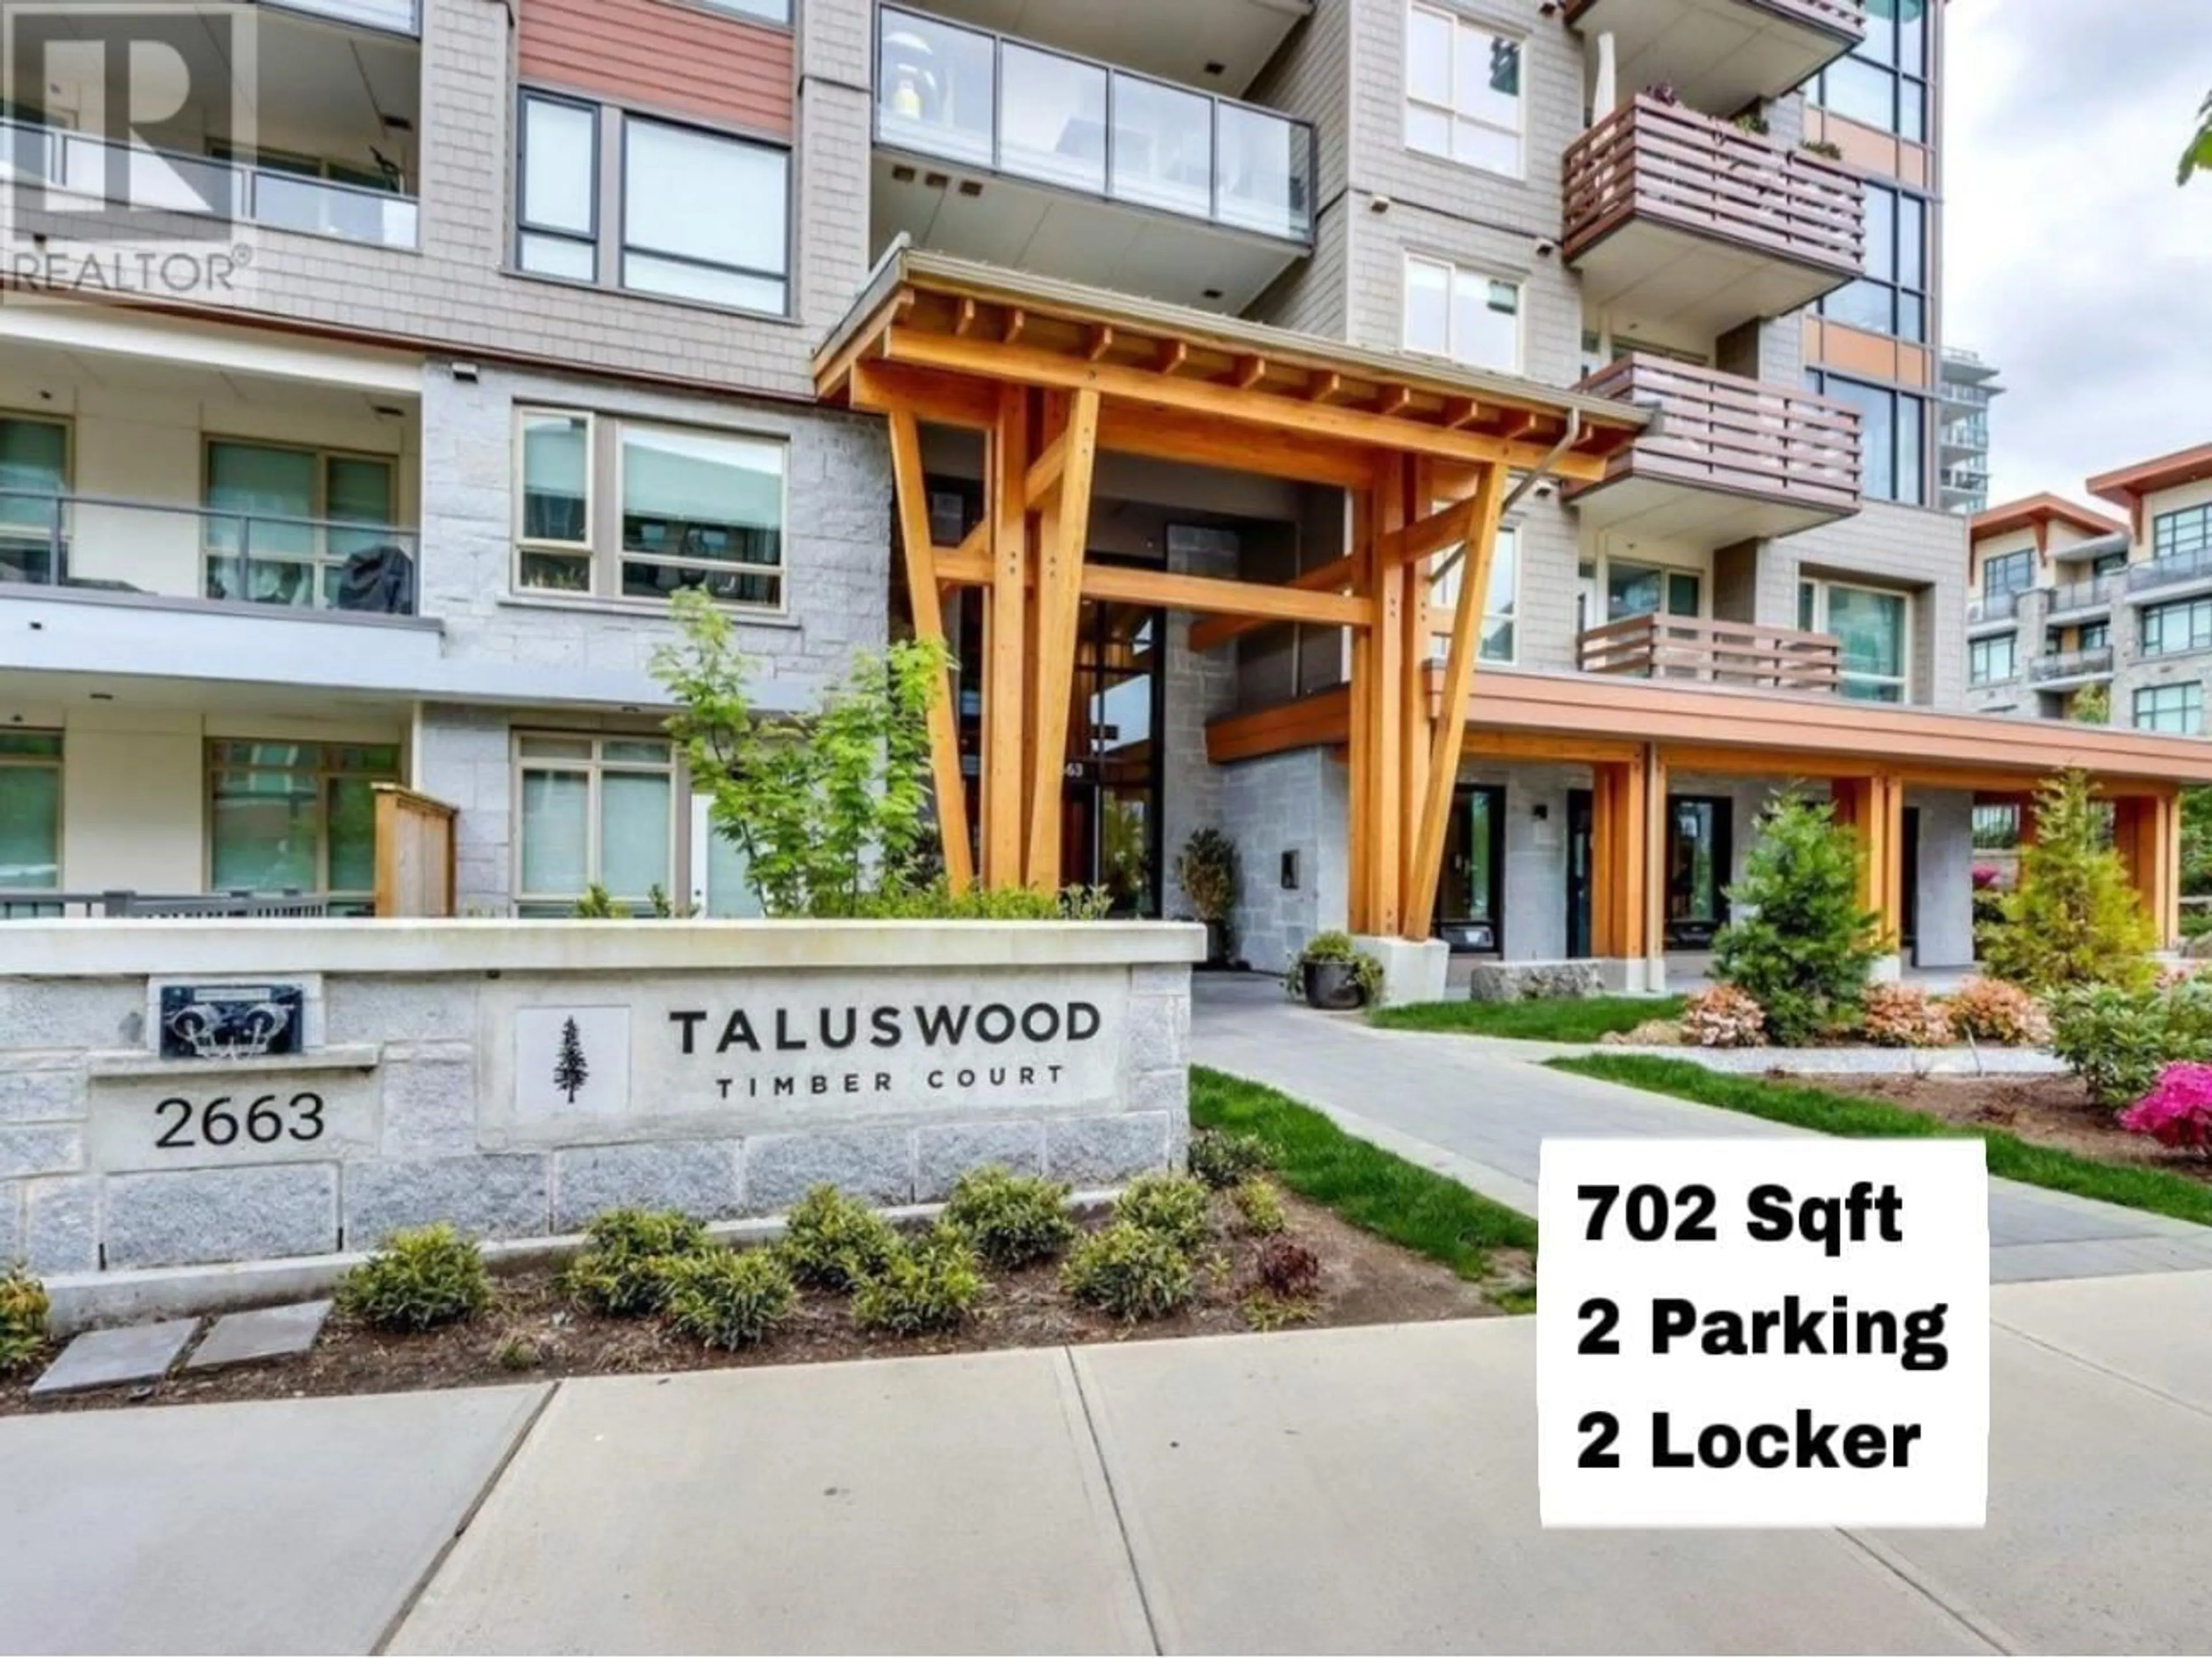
[{"x": 415, "y": 1037}]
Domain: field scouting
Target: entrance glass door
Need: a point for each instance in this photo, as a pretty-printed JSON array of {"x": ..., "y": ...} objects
[
  {"x": 1580, "y": 835},
  {"x": 1111, "y": 810},
  {"x": 1470, "y": 899},
  {"x": 1700, "y": 850}
]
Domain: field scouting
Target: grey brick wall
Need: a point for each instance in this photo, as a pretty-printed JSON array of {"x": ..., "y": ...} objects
[
  {"x": 1287, "y": 803},
  {"x": 1201, "y": 687}
]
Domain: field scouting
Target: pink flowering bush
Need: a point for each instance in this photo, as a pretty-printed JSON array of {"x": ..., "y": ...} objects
[
  {"x": 1903, "y": 1016},
  {"x": 1721, "y": 1016},
  {"x": 1991, "y": 1010},
  {"x": 2177, "y": 1112}
]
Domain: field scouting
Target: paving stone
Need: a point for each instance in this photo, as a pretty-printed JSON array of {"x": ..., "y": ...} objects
[
  {"x": 264, "y": 1332},
  {"x": 108, "y": 1358}
]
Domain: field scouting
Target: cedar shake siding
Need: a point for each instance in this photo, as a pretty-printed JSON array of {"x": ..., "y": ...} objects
[{"x": 662, "y": 55}]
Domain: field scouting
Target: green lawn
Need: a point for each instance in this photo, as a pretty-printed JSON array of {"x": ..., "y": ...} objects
[
  {"x": 1560, "y": 1019},
  {"x": 2009, "y": 1156},
  {"x": 1367, "y": 1186}
]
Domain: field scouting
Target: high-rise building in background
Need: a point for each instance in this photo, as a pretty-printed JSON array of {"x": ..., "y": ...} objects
[{"x": 1970, "y": 385}]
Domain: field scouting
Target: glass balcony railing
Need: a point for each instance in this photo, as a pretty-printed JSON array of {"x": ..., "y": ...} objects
[
  {"x": 986, "y": 101},
  {"x": 399, "y": 16},
  {"x": 78, "y": 164}
]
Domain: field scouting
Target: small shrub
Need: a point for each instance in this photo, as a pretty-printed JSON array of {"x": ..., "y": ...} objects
[
  {"x": 1652, "y": 1033},
  {"x": 1799, "y": 942},
  {"x": 1721, "y": 1016},
  {"x": 623, "y": 1268},
  {"x": 1288, "y": 1268},
  {"x": 938, "y": 902},
  {"x": 518, "y": 1353},
  {"x": 928, "y": 1285},
  {"x": 728, "y": 1298},
  {"x": 2177, "y": 1112},
  {"x": 2118, "y": 1041},
  {"x": 23, "y": 1308},
  {"x": 1174, "y": 1205},
  {"x": 1129, "y": 1271},
  {"x": 1222, "y": 1159},
  {"x": 1259, "y": 1208},
  {"x": 1266, "y": 1310},
  {"x": 1992, "y": 1011},
  {"x": 2073, "y": 919},
  {"x": 834, "y": 1241},
  {"x": 598, "y": 904},
  {"x": 421, "y": 1278},
  {"x": 1011, "y": 1219},
  {"x": 1336, "y": 947},
  {"x": 1903, "y": 1016}
]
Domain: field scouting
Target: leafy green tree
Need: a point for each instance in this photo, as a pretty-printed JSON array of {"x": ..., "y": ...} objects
[
  {"x": 2197, "y": 841},
  {"x": 2197, "y": 157},
  {"x": 2074, "y": 918},
  {"x": 1799, "y": 942},
  {"x": 2092, "y": 706},
  {"x": 831, "y": 811}
]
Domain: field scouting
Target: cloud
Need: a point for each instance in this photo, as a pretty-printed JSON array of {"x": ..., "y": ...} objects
[{"x": 2072, "y": 262}]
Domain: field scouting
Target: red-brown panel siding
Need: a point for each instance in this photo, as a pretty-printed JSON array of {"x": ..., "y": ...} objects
[{"x": 662, "y": 55}]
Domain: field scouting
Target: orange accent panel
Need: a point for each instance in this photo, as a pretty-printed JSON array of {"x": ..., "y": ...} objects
[
  {"x": 654, "y": 54},
  {"x": 1857, "y": 352},
  {"x": 1914, "y": 365}
]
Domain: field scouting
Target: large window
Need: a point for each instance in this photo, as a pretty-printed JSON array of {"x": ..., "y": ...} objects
[
  {"x": 698, "y": 216},
  {"x": 2178, "y": 710},
  {"x": 1466, "y": 315},
  {"x": 1501, "y": 604},
  {"x": 1463, "y": 90},
  {"x": 1875, "y": 628},
  {"x": 1892, "y": 297},
  {"x": 282, "y": 523},
  {"x": 296, "y": 817},
  {"x": 33, "y": 470},
  {"x": 595, "y": 810},
  {"x": 2009, "y": 573},
  {"x": 693, "y": 508},
  {"x": 1892, "y": 447},
  {"x": 1996, "y": 828},
  {"x": 2094, "y": 635},
  {"x": 2178, "y": 535},
  {"x": 2185, "y": 625},
  {"x": 1991, "y": 660},
  {"x": 1884, "y": 81},
  {"x": 30, "y": 811}
]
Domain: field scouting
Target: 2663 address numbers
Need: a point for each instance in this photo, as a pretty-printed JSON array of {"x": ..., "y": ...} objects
[{"x": 265, "y": 1121}]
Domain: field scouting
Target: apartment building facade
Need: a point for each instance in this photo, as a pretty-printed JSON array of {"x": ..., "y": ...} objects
[
  {"x": 537, "y": 336},
  {"x": 2082, "y": 614}
]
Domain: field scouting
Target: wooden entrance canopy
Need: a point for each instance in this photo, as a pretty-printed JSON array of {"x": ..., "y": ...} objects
[{"x": 1053, "y": 373}]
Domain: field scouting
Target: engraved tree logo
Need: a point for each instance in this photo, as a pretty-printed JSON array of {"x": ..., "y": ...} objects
[{"x": 569, "y": 1070}]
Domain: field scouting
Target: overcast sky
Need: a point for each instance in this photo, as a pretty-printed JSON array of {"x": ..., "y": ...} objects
[{"x": 2073, "y": 262}]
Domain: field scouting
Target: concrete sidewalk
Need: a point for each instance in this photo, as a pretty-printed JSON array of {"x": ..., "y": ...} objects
[
  {"x": 1479, "y": 1110},
  {"x": 1347, "y": 1490}
]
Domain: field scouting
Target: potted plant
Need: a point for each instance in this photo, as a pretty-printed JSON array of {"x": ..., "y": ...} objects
[
  {"x": 1334, "y": 974},
  {"x": 1207, "y": 870},
  {"x": 1825, "y": 148},
  {"x": 1752, "y": 122}
]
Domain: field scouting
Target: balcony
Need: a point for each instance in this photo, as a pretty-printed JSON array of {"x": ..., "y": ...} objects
[
  {"x": 1737, "y": 653},
  {"x": 1720, "y": 54},
  {"x": 2075, "y": 599},
  {"x": 1728, "y": 459},
  {"x": 1995, "y": 612},
  {"x": 2064, "y": 669},
  {"x": 1674, "y": 217},
  {"x": 1006, "y": 151},
  {"x": 395, "y": 16},
  {"x": 94, "y": 543},
  {"x": 2176, "y": 570}
]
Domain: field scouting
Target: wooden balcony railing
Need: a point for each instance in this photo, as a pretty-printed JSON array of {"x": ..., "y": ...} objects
[
  {"x": 1685, "y": 169},
  {"x": 1724, "y": 432},
  {"x": 1739, "y": 653}
]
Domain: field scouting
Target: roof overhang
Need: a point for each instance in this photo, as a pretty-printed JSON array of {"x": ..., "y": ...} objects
[
  {"x": 1717, "y": 729},
  {"x": 940, "y": 336},
  {"x": 2127, "y": 486},
  {"x": 2026, "y": 514}
]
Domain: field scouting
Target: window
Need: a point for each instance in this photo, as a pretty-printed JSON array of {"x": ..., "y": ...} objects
[
  {"x": 694, "y": 509},
  {"x": 1884, "y": 81},
  {"x": 769, "y": 11},
  {"x": 2184, "y": 625},
  {"x": 1893, "y": 447},
  {"x": 30, "y": 811},
  {"x": 593, "y": 810},
  {"x": 2095, "y": 635},
  {"x": 1462, "y": 91},
  {"x": 1997, "y": 829},
  {"x": 1990, "y": 660},
  {"x": 2009, "y": 573},
  {"x": 1873, "y": 628},
  {"x": 704, "y": 217},
  {"x": 2105, "y": 563},
  {"x": 2180, "y": 535},
  {"x": 1633, "y": 590},
  {"x": 2177, "y": 710},
  {"x": 34, "y": 471},
  {"x": 1464, "y": 315},
  {"x": 282, "y": 523},
  {"x": 296, "y": 817},
  {"x": 1892, "y": 297},
  {"x": 697, "y": 215},
  {"x": 1501, "y": 605},
  {"x": 558, "y": 219}
]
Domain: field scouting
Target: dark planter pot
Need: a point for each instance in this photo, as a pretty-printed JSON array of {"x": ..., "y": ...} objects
[
  {"x": 1332, "y": 987},
  {"x": 1216, "y": 944}
]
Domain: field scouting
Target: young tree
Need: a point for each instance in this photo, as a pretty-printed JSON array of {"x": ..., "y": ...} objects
[
  {"x": 830, "y": 810},
  {"x": 569, "y": 1070},
  {"x": 2074, "y": 918},
  {"x": 2197, "y": 157},
  {"x": 1799, "y": 942}
]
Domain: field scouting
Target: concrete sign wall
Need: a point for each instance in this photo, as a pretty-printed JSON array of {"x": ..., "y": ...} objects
[{"x": 516, "y": 1078}]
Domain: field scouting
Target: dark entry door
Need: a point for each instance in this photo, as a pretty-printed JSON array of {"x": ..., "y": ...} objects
[
  {"x": 1579, "y": 834},
  {"x": 1700, "y": 850},
  {"x": 1471, "y": 898},
  {"x": 1909, "y": 878},
  {"x": 1111, "y": 810}
]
